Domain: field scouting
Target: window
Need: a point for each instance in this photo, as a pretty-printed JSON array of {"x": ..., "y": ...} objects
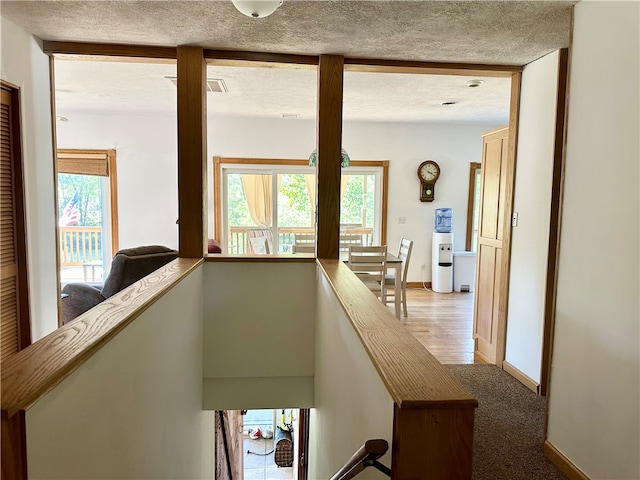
[
  {"x": 262, "y": 207},
  {"x": 87, "y": 213}
]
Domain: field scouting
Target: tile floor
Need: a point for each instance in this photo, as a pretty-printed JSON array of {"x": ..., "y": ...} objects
[{"x": 260, "y": 464}]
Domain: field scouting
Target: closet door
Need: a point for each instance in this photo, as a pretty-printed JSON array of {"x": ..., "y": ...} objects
[
  {"x": 15, "y": 332},
  {"x": 488, "y": 331}
]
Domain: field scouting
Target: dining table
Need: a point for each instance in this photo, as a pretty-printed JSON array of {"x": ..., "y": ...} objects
[{"x": 393, "y": 264}]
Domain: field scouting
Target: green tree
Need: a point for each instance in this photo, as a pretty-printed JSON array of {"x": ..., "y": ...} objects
[
  {"x": 89, "y": 191},
  {"x": 237, "y": 210},
  {"x": 294, "y": 206}
]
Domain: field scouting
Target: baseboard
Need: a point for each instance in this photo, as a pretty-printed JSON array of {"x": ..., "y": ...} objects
[
  {"x": 479, "y": 355},
  {"x": 521, "y": 377},
  {"x": 563, "y": 463},
  {"x": 418, "y": 285}
]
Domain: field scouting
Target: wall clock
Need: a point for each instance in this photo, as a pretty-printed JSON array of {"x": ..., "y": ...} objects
[{"x": 428, "y": 173}]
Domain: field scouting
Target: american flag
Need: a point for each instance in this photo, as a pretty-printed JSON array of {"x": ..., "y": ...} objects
[{"x": 70, "y": 215}]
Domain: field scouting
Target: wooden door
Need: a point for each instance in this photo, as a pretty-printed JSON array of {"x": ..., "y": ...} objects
[
  {"x": 13, "y": 262},
  {"x": 489, "y": 320},
  {"x": 229, "y": 446}
]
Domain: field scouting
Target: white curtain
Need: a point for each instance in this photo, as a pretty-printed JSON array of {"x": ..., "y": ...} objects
[{"x": 257, "y": 190}]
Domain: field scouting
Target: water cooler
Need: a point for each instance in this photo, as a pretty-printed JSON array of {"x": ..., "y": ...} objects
[{"x": 442, "y": 252}]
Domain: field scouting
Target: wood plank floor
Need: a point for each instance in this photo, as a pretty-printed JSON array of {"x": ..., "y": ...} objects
[{"x": 443, "y": 323}]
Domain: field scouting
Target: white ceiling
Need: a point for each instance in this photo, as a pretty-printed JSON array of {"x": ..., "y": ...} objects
[
  {"x": 144, "y": 88},
  {"x": 513, "y": 32}
]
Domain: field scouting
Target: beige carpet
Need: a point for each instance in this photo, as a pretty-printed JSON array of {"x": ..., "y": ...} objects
[{"x": 509, "y": 426}]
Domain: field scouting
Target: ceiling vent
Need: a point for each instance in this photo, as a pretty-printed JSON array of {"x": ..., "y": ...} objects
[{"x": 214, "y": 85}]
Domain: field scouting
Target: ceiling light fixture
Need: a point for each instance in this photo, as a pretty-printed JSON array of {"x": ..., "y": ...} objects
[
  {"x": 346, "y": 161},
  {"x": 474, "y": 83},
  {"x": 257, "y": 8}
]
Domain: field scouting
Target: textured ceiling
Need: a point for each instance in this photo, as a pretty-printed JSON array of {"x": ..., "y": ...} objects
[{"x": 487, "y": 32}]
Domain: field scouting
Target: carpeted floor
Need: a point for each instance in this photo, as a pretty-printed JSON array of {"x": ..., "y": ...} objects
[{"x": 509, "y": 426}]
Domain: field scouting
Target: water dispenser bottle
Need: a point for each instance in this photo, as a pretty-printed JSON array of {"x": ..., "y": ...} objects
[{"x": 443, "y": 220}]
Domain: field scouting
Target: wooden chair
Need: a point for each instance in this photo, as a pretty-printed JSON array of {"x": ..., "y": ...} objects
[
  {"x": 349, "y": 239},
  {"x": 369, "y": 263},
  {"x": 404, "y": 254}
]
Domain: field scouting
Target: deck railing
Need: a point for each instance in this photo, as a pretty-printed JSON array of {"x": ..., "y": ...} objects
[
  {"x": 80, "y": 245},
  {"x": 239, "y": 237}
]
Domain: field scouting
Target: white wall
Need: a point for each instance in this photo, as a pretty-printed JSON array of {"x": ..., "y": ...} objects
[
  {"x": 594, "y": 400},
  {"x": 532, "y": 200},
  {"x": 147, "y": 168},
  {"x": 24, "y": 65},
  {"x": 352, "y": 405},
  {"x": 259, "y": 331},
  {"x": 134, "y": 409},
  {"x": 405, "y": 145}
]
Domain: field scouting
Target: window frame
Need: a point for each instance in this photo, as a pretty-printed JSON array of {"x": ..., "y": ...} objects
[
  {"x": 272, "y": 166},
  {"x": 474, "y": 168}
]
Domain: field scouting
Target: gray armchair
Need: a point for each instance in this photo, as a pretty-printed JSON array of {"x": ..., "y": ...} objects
[{"x": 128, "y": 266}]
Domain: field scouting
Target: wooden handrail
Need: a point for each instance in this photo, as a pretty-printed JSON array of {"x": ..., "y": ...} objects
[
  {"x": 37, "y": 369},
  {"x": 433, "y": 414},
  {"x": 364, "y": 457},
  {"x": 413, "y": 377}
]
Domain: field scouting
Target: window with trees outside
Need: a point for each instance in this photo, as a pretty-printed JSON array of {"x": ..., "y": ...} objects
[
  {"x": 87, "y": 213},
  {"x": 263, "y": 208}
]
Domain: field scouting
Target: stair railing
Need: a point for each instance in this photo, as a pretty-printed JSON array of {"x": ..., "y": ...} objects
[{"x": 366, "y": 456}]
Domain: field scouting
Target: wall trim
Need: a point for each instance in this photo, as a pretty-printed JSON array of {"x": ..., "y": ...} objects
[
  {"x": 521, "y": 377},
  {"x": 420, "y": 285},
  {"x": 563, "y": 463}
]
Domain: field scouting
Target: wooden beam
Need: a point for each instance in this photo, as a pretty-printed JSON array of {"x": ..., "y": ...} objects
[
  {"x": 109, "y": 50},
  {"x": 429, "y": 68},
  {"x": 329, "y": 138},
  {"x": 557, "y": 188},
  {"x": 234, "y": 58},
  {"x": 14, "y": 446},
  {"x": 192, "y": 147}
]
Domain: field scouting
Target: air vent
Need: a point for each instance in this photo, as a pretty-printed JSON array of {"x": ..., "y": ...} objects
[{"x": 214, "y": 85}]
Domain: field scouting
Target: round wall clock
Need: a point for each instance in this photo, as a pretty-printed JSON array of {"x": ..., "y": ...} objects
[{"x": 428, "y": 173}]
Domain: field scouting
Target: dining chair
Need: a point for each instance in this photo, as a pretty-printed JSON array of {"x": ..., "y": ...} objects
[
  {"x": 348, "y": 239},
  {"x": 404, "y": 254},
  {"x": 369, "y": 263}
]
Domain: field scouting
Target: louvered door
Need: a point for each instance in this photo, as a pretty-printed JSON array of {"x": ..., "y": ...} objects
[{"x": 13, "y": 305}]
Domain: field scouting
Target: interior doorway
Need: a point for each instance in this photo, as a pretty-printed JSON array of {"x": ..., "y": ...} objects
[{"x": 261, "y": 444}]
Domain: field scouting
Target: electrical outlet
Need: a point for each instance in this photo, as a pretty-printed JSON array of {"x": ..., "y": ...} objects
[
  {"x": 402, "y": 220},
  {"x": 422, "y": 266}
]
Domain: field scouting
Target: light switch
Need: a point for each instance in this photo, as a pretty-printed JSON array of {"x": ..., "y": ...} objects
[
  {"x": 402, "y": 220},
  {"x": 514, "y": 219}
]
